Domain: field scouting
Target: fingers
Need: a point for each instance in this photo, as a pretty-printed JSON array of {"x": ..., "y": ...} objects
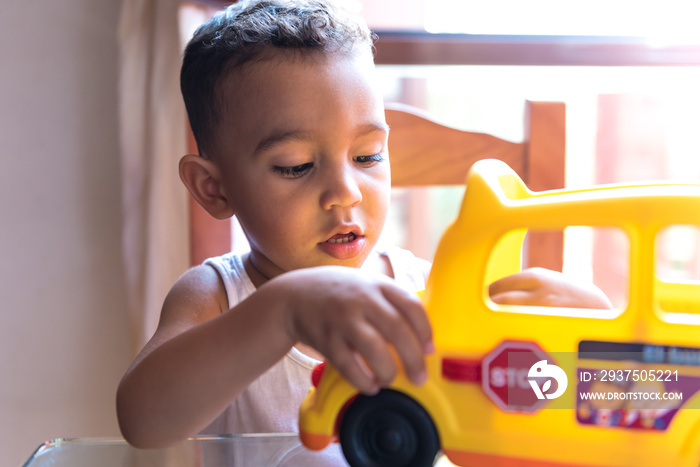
[
  {"x": 543, "y": 287},
  {"x": 513, "y": 297},
  {"x": 353, "y": 367},
  {"x": 414, "y": 314},
  {"x": 535, "y": 286},
  {"x": 528, "y": 279},
  {"x": 365, "y": 357},
  {"x": 361, "y": 325},
  {"x": 406, "y": 327}
]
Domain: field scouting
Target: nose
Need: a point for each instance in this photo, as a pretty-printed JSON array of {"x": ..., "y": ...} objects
[{"x": 341, "y": 188}]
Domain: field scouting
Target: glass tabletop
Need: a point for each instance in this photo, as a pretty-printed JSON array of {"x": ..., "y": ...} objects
[
  {"x": 258, "y": 450},
  {"x": 206, "y": 451}
]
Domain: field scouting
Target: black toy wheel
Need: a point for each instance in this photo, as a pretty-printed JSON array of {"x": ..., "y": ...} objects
[{"x": 389, "y": 429}]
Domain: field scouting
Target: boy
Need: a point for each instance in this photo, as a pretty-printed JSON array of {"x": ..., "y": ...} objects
[{"x": 292, "y": 139}]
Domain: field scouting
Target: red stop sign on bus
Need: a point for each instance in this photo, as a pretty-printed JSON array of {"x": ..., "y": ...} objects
[{"x": 505, "y": 376}]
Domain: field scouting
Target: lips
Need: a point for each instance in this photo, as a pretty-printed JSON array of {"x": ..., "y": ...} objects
[
  {"x": 342, "y": 238},
  {"x": 344, "y": 245}
]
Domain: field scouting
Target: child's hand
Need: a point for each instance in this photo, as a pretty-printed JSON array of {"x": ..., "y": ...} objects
[
  {"x": 353, "y": 320},
  {"x": 543, "y": 287}
]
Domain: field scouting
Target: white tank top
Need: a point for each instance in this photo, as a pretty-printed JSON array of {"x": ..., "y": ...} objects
[{"x": 270, "y": 404}]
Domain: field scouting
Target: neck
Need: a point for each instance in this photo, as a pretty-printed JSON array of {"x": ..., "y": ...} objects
[{"x": 256, "y": 276}]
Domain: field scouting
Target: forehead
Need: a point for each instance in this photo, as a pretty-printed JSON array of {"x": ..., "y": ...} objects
[{"x": 307, "y": 90}]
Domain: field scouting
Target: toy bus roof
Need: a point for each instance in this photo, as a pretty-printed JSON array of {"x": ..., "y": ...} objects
[{"x": 493, "y": 189}]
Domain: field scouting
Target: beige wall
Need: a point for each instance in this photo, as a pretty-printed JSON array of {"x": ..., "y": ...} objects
[{"x": 63, "y": 335}]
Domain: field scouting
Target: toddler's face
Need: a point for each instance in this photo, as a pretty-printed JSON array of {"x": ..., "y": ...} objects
[{"x": 302, "y": 149}]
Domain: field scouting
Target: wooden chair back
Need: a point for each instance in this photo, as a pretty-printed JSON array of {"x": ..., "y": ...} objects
[{"x": 424, "y": 152}]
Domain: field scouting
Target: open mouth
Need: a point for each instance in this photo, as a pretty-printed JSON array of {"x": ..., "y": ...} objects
[
  {"x": 344, "y": 246},
  {"x": 342, "y": 238}
]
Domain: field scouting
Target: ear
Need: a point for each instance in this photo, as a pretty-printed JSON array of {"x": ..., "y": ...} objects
[{"x": 202, "y": 179}]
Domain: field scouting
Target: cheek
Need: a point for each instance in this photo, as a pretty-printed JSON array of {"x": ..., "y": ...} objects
[
  {"x": 282, "y": 215},
  {"x": 380, "y": 192},
  {"x": 385, "y": 179}
]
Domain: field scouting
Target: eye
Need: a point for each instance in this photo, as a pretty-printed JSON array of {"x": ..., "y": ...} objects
[
  {"x": 294, "y": 171},
  {"x": 369, "y": 161}
]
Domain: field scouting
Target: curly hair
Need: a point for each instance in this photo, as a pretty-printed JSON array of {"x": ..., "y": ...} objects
[{"x": 241, "y": 32}]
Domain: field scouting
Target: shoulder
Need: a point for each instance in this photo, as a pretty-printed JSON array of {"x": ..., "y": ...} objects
[
  {"x": 197, "y": 296},
  {"x": 200, "y": 285}
]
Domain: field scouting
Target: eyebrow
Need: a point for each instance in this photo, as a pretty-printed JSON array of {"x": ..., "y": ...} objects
[
  {"x": 283, "y": 136},
  {"x": 369, "y": 128},
  {"x": 279, "y": 137}
]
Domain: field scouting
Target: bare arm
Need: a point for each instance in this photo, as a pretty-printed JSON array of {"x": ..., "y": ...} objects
[
  {"x": 543, "y": 287},
  {"x": 199, "y": 360}
]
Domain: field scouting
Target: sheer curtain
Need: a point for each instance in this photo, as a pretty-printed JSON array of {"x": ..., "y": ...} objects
[{"x": 153, "y": 138}]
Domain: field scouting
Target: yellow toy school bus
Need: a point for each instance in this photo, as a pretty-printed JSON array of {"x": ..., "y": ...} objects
[{"x": 535, "y": 386}]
